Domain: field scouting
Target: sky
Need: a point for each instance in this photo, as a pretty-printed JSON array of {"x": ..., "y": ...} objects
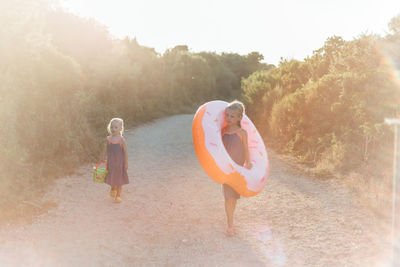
[{"x": 288, "y": 29}]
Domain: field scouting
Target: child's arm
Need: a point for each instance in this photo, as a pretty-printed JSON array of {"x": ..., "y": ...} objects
[
  {"x": 125, "y": 153},
  {"x": 247, "y": 162}
]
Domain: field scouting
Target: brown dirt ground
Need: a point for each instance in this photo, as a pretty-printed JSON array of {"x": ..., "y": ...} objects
[{"x": 172, "y": 214}]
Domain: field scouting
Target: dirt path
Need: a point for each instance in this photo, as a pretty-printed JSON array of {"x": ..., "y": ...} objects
[{"x": 172, "y": 214}]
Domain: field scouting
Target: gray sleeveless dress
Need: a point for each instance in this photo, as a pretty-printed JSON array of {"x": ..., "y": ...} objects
[
  {"x": 234, "y": 146},
  {"x": 117, "y": 175}
]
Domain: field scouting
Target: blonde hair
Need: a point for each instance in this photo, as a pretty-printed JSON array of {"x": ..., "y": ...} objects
[
  {"x": 238, "y": 107},
  {"x": 121, "y": 121}
]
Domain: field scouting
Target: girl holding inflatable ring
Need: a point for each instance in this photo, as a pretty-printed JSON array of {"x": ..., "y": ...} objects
[{"x": 235, "y": 141}]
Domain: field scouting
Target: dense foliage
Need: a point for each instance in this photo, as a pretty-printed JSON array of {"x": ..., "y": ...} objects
[
  {"x": 329, "y": 109},
  {"x": 63, "y": 78}
]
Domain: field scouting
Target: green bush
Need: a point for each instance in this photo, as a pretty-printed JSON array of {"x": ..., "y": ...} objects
[{"x": 329, "y": 110}]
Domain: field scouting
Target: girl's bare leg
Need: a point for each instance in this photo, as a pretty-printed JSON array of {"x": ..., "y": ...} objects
[
  {"x": 113, "y": 191},
  {"x": 119, "y": 189},
  {"x": 230, "y": 205}
]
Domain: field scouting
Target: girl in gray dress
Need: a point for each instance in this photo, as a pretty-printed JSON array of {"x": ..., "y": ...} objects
[
  {"x": 235, "y": 142},
  {"x": 117, "y": 158}
]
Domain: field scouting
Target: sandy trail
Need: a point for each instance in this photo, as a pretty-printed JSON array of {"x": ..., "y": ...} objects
[{"x": 172, "y": 214}]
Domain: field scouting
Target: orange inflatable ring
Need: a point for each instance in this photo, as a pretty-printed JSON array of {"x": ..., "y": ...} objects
[{"x": 215, "y": 160}]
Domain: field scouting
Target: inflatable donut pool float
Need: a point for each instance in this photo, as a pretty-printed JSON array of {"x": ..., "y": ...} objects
[{"x": 215, "y": 160}]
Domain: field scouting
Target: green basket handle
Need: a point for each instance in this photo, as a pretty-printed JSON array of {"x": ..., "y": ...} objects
[{"x": 100, "y": 161}]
